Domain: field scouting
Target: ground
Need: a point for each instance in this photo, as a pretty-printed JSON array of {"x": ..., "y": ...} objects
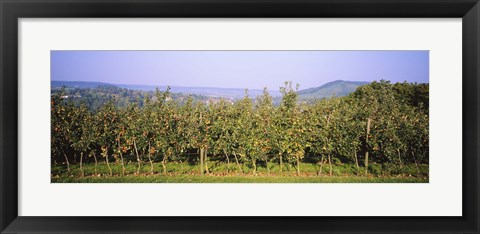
[{"x": 186, "y": 173}]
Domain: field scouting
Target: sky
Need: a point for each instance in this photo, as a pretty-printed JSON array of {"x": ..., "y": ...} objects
[{"x": 238, "y": 69}]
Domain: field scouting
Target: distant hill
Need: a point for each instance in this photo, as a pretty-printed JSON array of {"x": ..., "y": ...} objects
[
  {"x": 338, "y": 88},
  {"x": 78, "y": 84},
  {"x": 232, "y": 93}
]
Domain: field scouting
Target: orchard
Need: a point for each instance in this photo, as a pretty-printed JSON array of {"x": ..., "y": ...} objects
[{"x": 381, "y": 129}]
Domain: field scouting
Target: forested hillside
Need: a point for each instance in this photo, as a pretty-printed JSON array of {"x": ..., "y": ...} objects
[
  {"x": 95, "y": 97},
  {"x": 338, "y": 88}
]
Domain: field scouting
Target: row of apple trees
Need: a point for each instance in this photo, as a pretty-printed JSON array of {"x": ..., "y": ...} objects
[{"x": 380, "y": 123}]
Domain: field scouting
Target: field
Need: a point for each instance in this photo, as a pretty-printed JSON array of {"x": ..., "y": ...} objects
[{"x": 186, "y": 173}]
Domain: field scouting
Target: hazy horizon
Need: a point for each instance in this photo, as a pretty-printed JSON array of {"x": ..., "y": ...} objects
[
  {"x": 141, "y": 85},
  {"x": 238, "y": 69}
]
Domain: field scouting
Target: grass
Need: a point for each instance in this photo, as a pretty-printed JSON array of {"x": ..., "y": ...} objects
[
  {"x": 186, "y": 173},
  {"x": 236, "y": 179}
]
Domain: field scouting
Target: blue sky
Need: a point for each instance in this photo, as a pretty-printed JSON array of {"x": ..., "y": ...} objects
[{"x": 238, "y": 69}]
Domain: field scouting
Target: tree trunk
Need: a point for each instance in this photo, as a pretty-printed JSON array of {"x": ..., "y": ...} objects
[
  {"x": 202, "y": 150},
  {"x": 266, "y": 164},
  {"x": 416, "y": 163},
  {"x": 108, "y": 164},
  {"x": 356, "y": 163},
  {"x": 254, "y": 162},
  {"x": 121, "y": 157},
  {"x": 164, "y": 164},
  {"x": 366, "y": 150},
  {"x": 366, "y": 163},
  {"x": 321, "y": 165},
  {"x": 281, "y": 164},
  {"x": 138, "y": 158},
  {"x": 228, "y": 160},
  {"x": 330, "y": 163},
  {"x": 205, "y": 160},
  {"x": 68, "y": 163},
  {"x": 400, "y": 159},
  {"x": 96, "y": 163},
  {"x": 81, "y": 164},
  {"x": 298, "y": 166},
  {"x": 238, "y": 164},
  {"x": 150, "y": 158}
]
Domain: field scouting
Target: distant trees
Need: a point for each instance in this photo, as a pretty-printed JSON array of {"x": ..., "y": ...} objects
[{"x": 381, "y": 123}]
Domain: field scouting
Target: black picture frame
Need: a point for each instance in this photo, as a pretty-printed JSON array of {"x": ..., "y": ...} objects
[{"x": 11, "y": 11}]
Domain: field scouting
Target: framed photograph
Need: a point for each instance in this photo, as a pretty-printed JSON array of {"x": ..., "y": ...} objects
[{"x": 226, "y": 116}]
